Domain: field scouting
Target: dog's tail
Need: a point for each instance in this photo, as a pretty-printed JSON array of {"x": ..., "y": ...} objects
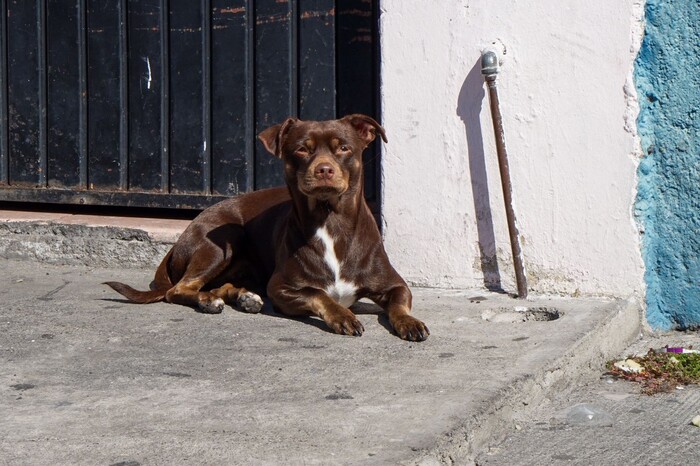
[
  {"x": 136, "y": 296},
  {"x": 161, "y": 284}
]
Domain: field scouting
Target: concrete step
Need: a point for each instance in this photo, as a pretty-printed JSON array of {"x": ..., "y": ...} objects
[{"x": 92, "y": 240}]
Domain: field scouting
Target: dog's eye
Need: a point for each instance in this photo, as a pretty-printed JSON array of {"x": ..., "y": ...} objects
[
  {"x": 302, "y": 151},
  {"x": 344, "y": 148}
]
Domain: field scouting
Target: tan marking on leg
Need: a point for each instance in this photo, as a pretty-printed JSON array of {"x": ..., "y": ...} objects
[
  {"x": 240, "y": 298},
  {"x": 188, "y": 294}
]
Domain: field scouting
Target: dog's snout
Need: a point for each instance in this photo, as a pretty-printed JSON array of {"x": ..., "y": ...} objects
[{"x": 324, "y": 171}]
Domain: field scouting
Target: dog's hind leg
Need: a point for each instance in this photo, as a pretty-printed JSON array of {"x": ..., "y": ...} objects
[
  {"x": 187, "y": 292},
  {"x": 162, "y": 280},
  {"x": 240, "y": 298},
  {"x": 205, "y": 265}
]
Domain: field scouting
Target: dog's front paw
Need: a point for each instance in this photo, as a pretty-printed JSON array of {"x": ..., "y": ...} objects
[
  {"x": 211, "y": 305},
  {"x": 409, "y": 328},
  {"x": 345, "y": 324},
  {"x": 249, "y": 302}
]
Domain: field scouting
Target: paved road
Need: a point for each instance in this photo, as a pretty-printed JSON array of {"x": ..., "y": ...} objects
[{"x": 630, "y": 429}]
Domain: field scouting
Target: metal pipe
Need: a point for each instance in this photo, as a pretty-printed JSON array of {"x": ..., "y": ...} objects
[{"x": 489, "y": 69}]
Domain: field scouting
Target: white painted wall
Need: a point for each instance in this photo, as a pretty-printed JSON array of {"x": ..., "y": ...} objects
[{"x": 562, "y": 91}]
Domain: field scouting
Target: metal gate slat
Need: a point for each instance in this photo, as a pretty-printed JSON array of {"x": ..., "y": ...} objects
[
  {"x": 206, "y": 95},
  {"x": 144, "y": 65},
  {"x": 4, "y": 152},
  {"x": 357, "y": 61},
  {"x": 186, "y": 141},
  {"x": 64, "y": 94},
  {"x": 83, "y": 99},
  {"x": 273, "y": 81},
  {"x": 165, "y": 96},
  {"x": 23, "y": 95},
  {"x": 104, "y": 96},
  {"x": 123, "y": 96},
  {"x": 293, "y": 40},
  {"x": 231, "y": 82},
  {"x": 43, "y": 85},
  {"x": 250, "y": 139},
  {"x": 4, "y": 155},
  {"x": 317, "y": 95}
]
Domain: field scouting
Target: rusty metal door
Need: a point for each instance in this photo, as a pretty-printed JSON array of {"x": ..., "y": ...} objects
[{"x": 156, "y": 103}]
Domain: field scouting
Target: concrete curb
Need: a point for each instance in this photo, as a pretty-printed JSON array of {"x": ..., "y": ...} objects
[
  {"x": 56, "y": 242},
  {"x": 584, "y": 360}
]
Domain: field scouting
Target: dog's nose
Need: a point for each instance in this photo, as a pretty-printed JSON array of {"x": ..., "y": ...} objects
[{"x": 324, "y": 171}]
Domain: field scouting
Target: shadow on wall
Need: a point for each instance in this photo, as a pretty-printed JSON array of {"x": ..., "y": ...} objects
[{"x": 469, "y": 102}]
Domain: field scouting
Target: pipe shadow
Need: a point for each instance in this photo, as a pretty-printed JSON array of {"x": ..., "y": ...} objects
[
  {"x": 359, "y": 308},
  {"x": 469, "y": 103}
]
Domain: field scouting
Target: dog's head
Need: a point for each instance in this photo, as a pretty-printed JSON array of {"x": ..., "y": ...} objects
[{"x": 323, "y": 159}]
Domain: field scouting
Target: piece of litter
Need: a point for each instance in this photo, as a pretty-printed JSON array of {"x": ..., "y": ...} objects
[
  {"x": 616, "y": 396},
  {"x": 682, "y": 350},
  {"x": 696, "y": 421},
  {"x": 586, "y": 414},
  {"x": 629, "y": 366},
  {"x": 680, "y": 387},
  {"x": 520, "y": 309}
]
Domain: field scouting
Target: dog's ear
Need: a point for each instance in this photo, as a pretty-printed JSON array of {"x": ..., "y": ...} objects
[
  {"x": 366, "y": 127},
  {"x": 273, "y": 137}
]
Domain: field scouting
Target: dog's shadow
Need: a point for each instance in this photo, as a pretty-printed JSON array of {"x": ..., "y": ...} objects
[
  {"x": 359, "y": 308},
  {"x": 117, "y": 300}
]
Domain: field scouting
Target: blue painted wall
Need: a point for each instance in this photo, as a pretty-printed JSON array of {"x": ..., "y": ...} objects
[{"x": 667, "y": 75}]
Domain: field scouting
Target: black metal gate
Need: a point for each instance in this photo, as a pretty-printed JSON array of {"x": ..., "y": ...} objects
[{"x": 156, "y": 103}]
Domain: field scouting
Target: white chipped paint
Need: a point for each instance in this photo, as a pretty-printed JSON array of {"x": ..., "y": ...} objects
[
  {"x": 149, "y": 77},
  {"x": 340, "y": 290}
]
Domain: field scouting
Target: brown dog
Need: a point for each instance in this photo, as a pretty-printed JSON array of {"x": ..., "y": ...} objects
[{"x": 313, "y": 246}]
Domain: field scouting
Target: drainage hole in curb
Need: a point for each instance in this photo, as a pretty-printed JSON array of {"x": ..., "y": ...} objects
[{"x": 518, "y": 314}]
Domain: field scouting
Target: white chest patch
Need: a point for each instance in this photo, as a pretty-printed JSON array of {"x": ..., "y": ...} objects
[{"x": 342, "y": 291}]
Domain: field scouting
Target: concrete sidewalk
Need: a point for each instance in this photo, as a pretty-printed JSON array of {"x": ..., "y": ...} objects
[{"x": 87, "y": 378}]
